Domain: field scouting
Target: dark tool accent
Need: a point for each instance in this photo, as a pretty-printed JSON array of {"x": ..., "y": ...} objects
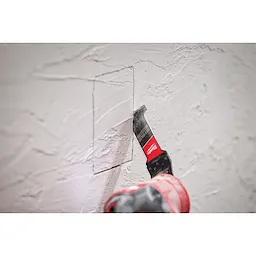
[
  {"x": 146, "y": 199},
  {"x": 160, "y": 164},
  {"x": 141, "y": 128}
]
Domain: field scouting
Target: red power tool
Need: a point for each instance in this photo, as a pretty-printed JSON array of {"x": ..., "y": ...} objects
[{"x": 164, "y": 192}]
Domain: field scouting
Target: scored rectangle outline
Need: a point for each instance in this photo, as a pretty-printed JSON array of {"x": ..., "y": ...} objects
[{"x": 93, "y": 117}]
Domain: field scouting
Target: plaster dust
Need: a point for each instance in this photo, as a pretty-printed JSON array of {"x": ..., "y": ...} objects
[{"x": 66, "y": 137}]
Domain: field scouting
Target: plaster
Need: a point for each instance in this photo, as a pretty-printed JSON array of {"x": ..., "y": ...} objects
[{"x": 66, "y": 137}]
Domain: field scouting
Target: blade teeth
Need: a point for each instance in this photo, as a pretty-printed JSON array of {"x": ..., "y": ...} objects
[{"x": 140, "y": 111}]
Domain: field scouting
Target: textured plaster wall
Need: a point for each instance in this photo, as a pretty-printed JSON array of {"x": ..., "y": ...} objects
[{"x": 66, "y": 137}]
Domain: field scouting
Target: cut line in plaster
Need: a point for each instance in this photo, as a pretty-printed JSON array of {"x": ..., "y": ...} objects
[{"x": 113, "y": 167}]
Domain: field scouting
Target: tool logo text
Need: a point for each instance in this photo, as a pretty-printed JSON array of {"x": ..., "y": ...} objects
[{"x": 151, "y": 149}]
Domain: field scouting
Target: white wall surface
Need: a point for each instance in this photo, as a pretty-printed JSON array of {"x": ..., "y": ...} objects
[{"x": 65, "y": 122}]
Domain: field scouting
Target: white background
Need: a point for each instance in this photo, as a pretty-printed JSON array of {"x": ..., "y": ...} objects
[{"x": 196, "y": 21}]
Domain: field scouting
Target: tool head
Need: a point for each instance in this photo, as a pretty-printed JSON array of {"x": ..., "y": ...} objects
[
  {"x": 164, "y": 193},
  {"x": 157, "y": 159}
]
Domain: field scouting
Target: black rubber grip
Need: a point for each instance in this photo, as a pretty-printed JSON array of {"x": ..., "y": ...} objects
[
  {"x": 146, "y": 200},
  {"x": 161, "y": 163}
]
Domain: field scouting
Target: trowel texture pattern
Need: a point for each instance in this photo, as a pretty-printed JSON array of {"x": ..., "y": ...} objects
[{"x": 66, "y": 137}]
